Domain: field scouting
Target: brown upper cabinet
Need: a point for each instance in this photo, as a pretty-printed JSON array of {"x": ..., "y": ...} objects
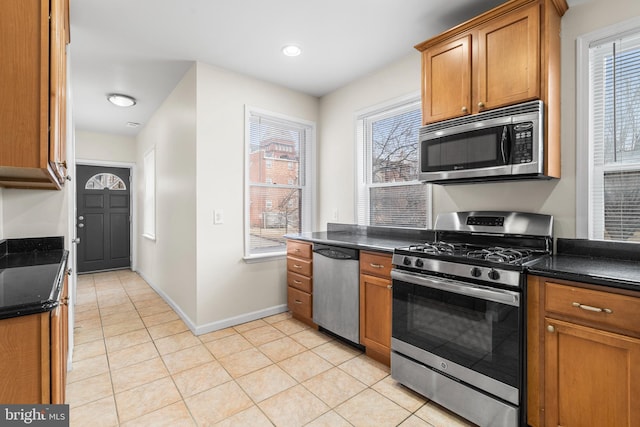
[
  {"x": 33, "y": 84},
  {"x": 505, "y": 56}
]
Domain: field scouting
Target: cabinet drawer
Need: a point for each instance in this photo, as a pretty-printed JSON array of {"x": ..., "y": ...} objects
[
  {"x": 299, "y": 249},
  {"x": 299, "y": 266},
  {"x": 375, "y": 264},
  {"x": 607, "y": 309},
  {"x": 299, "y": 281},
  {"x": 299, "y": 302}
]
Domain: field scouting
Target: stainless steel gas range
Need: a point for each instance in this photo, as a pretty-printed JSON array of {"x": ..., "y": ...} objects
[{"x": 458, "y": 333}]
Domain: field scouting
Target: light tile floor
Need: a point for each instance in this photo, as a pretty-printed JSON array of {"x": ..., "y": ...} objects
[{"x": 136, "y": 363}]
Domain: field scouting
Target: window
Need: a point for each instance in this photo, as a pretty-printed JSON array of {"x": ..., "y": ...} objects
[
  {"x": 610, "y": 162},
  {"x": 107, "y": 181},
  {"x": 281, "y": 203},
  {"x": 149, "y": 217},
  {"x": 389, "y": 193}
]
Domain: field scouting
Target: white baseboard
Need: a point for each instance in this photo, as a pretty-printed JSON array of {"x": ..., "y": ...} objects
[
  {"x": 237, "y": 320},
  {"x": 219, "y": 324}
]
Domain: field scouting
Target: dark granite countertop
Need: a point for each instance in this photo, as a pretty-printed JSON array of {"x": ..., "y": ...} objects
[
  {"x": 611, "y": 264},
  {"x": 381, "y": 239},
  {"x": 30, "y": 275}
]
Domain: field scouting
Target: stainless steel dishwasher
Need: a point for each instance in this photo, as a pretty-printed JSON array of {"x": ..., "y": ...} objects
[{"x": 336, "y": 290}]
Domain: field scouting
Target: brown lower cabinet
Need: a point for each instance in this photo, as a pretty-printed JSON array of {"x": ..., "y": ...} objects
[
  {"x": 583, "y": 355},
  {"x": 375, "y": 305},
  {"x": 299, "y": 281},
  {"x": 33, "y": 356}
]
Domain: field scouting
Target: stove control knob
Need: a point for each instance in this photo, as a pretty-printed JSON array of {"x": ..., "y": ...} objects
[
  {"x": 419, "y": 263},
  {"x": 476, "y": 272},
  {"x": 406, "y": 261},
  {"x": 494, "y": 275}
]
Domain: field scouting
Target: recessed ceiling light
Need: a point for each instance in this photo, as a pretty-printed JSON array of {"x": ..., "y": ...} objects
[
  {"x": 291, "y": 50},
  {"x": 121, "y": 100}
]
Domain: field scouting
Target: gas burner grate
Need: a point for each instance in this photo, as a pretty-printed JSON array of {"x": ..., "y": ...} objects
[
  {"x": 439, "y": 248},
  {"x": 498, "y": 254}
]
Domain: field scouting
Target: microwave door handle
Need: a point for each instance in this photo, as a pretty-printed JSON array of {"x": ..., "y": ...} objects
[{"x": 505, "y": 143}]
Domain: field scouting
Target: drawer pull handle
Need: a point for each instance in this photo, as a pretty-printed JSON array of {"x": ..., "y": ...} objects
[
  {"x": 376, "y": 265},
  {"x": 591, "y": 308},
  {"x": 297, "y": 249},
  {"x": 298, "y": 301},
  {"x": 297, "y": 266},
  {"x": 297, "y": 282}
]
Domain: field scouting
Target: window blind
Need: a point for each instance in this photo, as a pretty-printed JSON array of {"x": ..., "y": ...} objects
[
  {"x": 389, "y": 193},
  {"x": 615, "y": 138},
  {"x": 278, "y": 199}
]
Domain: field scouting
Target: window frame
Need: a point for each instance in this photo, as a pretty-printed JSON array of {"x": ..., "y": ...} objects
[
  {"x": 149, "y": 200},
  {"x": 308, "y": 191},
  {"x": 364, "y": 166},
  {"x": 584, "y": 148}
]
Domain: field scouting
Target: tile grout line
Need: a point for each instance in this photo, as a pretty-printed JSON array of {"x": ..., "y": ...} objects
[{"x": 131, "y": 290}]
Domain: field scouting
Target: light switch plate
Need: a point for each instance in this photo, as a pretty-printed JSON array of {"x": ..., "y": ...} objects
[{"x": 218, "y": 216}]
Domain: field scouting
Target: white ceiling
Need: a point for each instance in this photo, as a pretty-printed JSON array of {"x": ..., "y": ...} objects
[{"x": 144, "y": 47}]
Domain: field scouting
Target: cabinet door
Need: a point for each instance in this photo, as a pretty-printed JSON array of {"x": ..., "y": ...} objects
[
  {"x": 60, "y": 346},
  {"x": 508, "y": 68},
  {"x": 447, "y": 80},
  {"x": 592, "y": 377},
  {"x": 58, "y": 87},
  {"x": 375, "y": 313}
]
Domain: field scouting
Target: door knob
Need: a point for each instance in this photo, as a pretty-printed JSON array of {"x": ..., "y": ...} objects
[{"x": 81, "y": 225}]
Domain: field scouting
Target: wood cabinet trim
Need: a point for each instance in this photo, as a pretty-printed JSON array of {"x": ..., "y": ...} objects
[{"x": 560, "y": 7}]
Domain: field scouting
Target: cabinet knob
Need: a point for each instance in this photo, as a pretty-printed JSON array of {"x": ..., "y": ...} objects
[
  {"x": 464, "y": 109},
  {"x": 480, "y": 104},
  {"x": 389, "y": 286},
  {"x": 550, "y": 328}
]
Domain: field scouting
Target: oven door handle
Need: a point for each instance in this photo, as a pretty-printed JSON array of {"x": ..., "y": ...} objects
[{"x": 467, "y": 289}]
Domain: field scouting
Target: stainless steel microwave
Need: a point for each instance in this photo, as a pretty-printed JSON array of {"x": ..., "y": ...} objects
[{"x": 501, "y": 144}]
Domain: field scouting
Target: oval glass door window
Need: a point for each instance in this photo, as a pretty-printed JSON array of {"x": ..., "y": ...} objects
[{"x": 105, "y": 180}]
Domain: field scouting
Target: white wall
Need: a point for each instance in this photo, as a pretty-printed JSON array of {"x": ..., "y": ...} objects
[
  {"x": 169, "y": 262},
  {"x": 104, "y": 147},
  {"x": 555, "y": 197},
  {"x": 336, "y": 150},
  {"x": 227, "y": 286},
  {"x": 35, "y": 213}
]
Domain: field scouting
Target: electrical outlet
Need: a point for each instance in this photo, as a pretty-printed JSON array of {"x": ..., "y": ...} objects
[{"x": 218, "y": 216}]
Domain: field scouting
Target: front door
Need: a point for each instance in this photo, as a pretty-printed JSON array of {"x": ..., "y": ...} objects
[{"x": 103, "y": 218}]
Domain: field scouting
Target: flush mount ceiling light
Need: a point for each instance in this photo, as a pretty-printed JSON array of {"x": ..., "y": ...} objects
[
  {"x": 121, "y": 100},
  {"x": 133, "y": 124},
  {"x": 291, "y": 50}
]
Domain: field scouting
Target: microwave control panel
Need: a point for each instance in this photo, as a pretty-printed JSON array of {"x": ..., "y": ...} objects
[{"x": 522, "y": 143}]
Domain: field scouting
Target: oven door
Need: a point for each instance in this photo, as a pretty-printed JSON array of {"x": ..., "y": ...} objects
[{"x": 462, "y": 330}]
